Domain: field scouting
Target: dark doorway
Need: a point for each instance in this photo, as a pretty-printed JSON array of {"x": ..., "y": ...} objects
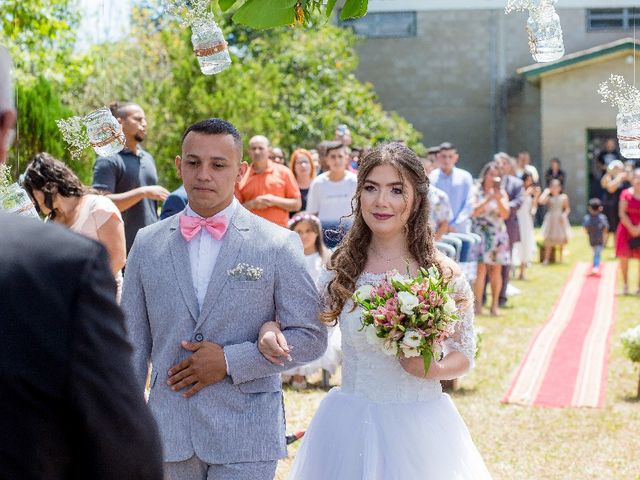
[{"x": 596, "y": 140}]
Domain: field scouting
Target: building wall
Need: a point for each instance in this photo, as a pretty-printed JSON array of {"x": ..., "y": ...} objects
[
  {"x": 456, "y": 79},
  {"x": 570, "y": 106}
]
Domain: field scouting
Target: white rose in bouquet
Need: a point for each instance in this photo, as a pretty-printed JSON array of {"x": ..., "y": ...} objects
[
  {"x": 450, "y": 306},
  {"x": 411, "y": 339},
  {"x": 410, "y": 351},
  {"x": 364, "y": 292},
  {"x": 390, "y": 347},
  {"x": 407, "y": 302}
]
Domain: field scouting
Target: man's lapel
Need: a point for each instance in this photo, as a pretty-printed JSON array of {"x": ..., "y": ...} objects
[
  {"x": 182, "y": 266},
  {"x": 231, "y": 246}
]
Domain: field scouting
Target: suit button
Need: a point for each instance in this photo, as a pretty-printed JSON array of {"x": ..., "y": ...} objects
[{"x": 199, "y": 337}]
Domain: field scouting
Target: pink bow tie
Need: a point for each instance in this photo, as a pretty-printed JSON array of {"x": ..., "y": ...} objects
[{"x": 216, "y": 226}]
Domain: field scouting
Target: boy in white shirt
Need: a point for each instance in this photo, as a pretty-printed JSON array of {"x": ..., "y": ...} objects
[{"x": 330, "y": 195}]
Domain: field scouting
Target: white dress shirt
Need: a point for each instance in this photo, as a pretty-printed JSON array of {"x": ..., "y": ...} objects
[{"x": 203, "y": 253}]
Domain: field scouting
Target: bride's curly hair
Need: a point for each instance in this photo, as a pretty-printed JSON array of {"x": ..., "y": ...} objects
[{"x": 350, "y": 258}]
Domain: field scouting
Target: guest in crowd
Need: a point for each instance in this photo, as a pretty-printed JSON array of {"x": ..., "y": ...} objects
[
  {"x": 440, "y": 213},
  {"x": 490, "y": 204},
  {"x": 268, "y": 189},
  {"x": 58, "y": 193},
  {"x": 596, "y": 225},
  {"x": 524, "y": 249},
  {"x": 343, "y": 135},
  {"x": 7, "y": 109},
  {"x": 432, "y": 155},
  {"x": 175, "y": 203},
  {"x": 315, "y": 158},
  {"x": 129, "y": 178},
  {"x": 556, "y": 230},
  {"x": 277, "y": 155},
  {"x": 554, "y": 172},
  {"x": 628, "y": 234},
  {"x": 330, "y": 195},
  {"x": 600, "y": 165},
  {"x": 317, "y": 255},
  {"x": 457, "y": 184},
  {"x": 515, "y": 191},
  {"x": 614, "y": 182},
  {"x": 524, "y": 166},
  {"x": 304, "y": 170}
]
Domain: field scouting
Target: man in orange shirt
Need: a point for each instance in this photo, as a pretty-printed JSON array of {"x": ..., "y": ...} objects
[{"x": 268, "y": 189}]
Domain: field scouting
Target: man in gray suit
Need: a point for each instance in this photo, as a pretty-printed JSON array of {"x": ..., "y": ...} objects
[{"x": 197, "y": 289}]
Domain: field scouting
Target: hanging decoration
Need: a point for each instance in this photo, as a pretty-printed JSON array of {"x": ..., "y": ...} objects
[
  {"x": 99, "y": 129},
  {"x": 626, "y": 98},
  {"x": 543, "y": 27},
  {"x": 209, "y": 45},
  {"x": 13, "y": 198}
]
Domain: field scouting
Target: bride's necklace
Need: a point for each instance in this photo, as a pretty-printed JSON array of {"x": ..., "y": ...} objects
[{"x": 382, "y": 257}]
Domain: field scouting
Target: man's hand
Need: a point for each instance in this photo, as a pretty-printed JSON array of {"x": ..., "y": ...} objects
[
  {"x": 273, "y": 345},
  {"x": 156, "y": 192},
  {"x": 205, "y": 367}
]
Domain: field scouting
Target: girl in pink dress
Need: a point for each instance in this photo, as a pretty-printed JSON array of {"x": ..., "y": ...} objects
[
  {"x": 58, "y": 193},
  {"x": 628, "y": 232}
]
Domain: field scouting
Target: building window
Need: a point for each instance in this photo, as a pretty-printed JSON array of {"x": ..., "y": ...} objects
[
  {"x": 612, "y": 18},
  {"x": 383, "y": 24}
]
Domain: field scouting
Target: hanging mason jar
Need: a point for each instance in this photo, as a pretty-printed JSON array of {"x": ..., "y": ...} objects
[
  {"x": 16, "y": 200},
  {"x": 210, "y": 47},
  {"x": 545, "y": 32},
  {"x": 104, "y": 132},
  {"x": 629, "y": 134}
]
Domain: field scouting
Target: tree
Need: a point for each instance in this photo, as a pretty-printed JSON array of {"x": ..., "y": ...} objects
[{"x": 292, "y": 85}]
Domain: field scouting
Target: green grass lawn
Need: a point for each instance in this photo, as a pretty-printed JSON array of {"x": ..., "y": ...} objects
[{"x": 529, "y": 442}]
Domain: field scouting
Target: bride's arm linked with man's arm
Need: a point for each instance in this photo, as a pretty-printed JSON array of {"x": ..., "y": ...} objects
[{"x": 297, "y": 306}]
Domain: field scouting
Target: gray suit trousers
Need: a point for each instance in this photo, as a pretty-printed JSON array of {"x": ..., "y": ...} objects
[{"x": 196, "y": 469}]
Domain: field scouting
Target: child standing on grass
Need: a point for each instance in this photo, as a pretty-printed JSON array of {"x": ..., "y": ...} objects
[
  {"x": 556, "y": 230},
  {"x": 316, "y": 254},
  {"x": 597, "y": 226}
]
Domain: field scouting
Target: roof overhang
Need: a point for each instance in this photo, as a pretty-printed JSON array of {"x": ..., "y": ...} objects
[{"x": 607, "y": 51}]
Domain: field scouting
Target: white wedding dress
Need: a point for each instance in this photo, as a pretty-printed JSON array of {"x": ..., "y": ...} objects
[{"x": 384, "y": 424}]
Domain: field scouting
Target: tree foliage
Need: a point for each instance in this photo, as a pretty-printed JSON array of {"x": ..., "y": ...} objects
[{"x": 292, "y": 85}]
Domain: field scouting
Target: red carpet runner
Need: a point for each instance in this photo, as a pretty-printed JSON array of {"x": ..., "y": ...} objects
[{"x": 566, "y": 364}]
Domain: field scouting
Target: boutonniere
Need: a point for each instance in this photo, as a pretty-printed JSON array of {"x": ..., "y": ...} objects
[{"x": 244, "y": 271}]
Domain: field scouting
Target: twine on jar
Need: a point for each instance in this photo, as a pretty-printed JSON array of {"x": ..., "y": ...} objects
[
  {"x": 205, "y": 52},
  {"x": 113, "y": 135},
  {"x": 629, "y": 138}
]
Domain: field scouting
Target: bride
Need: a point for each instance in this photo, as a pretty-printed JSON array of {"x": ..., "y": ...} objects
[{"x": 389, "y": 420}]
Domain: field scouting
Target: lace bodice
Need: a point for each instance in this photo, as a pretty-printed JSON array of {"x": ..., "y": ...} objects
[{"x": 368, "y": 372}]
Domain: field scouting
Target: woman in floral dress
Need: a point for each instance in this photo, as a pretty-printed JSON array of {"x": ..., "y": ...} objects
[{"x": 490, "y": 209}]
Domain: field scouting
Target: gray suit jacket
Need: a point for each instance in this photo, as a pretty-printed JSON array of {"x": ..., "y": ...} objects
[{"x": 241, "y": 418}]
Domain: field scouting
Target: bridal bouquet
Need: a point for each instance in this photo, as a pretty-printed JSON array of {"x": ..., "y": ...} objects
[{"x": 409, "y": 316}]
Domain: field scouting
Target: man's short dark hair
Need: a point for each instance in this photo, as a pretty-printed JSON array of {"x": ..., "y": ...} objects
[
  {"x": 119, "y": 109},
  {"x": 333, "y": 145},
  {"x": 215, "y": 126},
  {"x": 447, "y": 146},
  {"x": 433, "y": 150},
  {"x": 595, "y": 204}
]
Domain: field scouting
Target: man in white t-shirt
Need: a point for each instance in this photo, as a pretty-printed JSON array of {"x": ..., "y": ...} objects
[{"x": 330, "y": 195}]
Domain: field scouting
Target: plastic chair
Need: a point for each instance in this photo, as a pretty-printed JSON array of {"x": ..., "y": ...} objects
[
  {"x": 446, "y": 249},
  {"x": 455, "y": 243}
]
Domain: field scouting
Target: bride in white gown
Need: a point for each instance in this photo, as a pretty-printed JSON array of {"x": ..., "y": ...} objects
[{"x": 388, "y": 420}]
